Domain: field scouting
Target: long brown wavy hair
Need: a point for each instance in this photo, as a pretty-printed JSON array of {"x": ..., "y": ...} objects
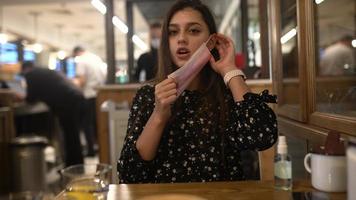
[{"x": 211, "y": 81}]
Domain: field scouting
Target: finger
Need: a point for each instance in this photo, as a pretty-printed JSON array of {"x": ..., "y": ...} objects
[
  {"x": 222, "y": 37},
  {"x": 167, "y": 87},
  {"x": 168, "y": 93},
  {"x": 170, "y": 100},
  {"x": 229, "y": 40},
  {"x": 226, "y": 45},
  {"x": 222, "y": 44},
  {"x": 226, "y": 42},
  {"x": 221, "y": 50},
  {"x": 162, "y": 92},
  {"x": 165, "y": 82},
  {"x": 212, "y": 60}
]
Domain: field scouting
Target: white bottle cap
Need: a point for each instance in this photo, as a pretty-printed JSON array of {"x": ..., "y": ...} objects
[{"x": 282, "y": 147}]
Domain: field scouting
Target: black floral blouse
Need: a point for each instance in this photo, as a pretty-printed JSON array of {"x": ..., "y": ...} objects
[{"x": 191, "y": 149}]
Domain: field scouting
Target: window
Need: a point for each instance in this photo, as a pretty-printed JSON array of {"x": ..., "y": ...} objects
[{"x": 336, "y": 56}]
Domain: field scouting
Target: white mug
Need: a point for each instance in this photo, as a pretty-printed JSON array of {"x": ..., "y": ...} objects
[{"x": 328, "y": 173}]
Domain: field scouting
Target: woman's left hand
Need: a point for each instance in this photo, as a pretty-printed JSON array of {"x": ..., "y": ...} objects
[{"x": 226, "y": 50}]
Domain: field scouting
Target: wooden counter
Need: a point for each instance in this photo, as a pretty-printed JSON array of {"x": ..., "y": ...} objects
[{"x": 254, "y": 190}]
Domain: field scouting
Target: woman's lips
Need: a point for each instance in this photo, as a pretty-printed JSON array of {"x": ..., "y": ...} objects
[
  {"x": 183, "y": 56},
  {"x": 183, "y": 53}
]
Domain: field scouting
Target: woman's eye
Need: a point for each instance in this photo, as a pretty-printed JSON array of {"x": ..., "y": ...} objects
[
  {"x": 194, "y": 31},
  {"x": 172, "y": 32}
]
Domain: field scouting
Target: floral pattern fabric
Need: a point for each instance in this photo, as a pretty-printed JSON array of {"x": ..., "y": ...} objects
[{"x": 192, "y": 149}]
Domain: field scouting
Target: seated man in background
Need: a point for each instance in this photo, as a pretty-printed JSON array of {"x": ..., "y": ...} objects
[{"x": 64, "y": 100}]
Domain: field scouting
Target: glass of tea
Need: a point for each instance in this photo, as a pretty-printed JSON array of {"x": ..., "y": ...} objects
[{"x": 86, "y": 181}]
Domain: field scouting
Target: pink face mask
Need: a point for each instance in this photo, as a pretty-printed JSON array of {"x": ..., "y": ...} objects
[{"x": 184, "y": 75}]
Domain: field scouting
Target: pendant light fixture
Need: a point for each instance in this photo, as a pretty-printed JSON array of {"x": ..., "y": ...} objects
[
  {"x": 36, "y": 46},
  {"x": 61, "y": 54}
]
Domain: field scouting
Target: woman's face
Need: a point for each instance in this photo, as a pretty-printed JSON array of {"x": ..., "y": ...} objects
[{"x": 186, "y": 31}]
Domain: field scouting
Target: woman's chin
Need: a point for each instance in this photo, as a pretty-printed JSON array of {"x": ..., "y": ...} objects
[{"x": 180, "y": 64}]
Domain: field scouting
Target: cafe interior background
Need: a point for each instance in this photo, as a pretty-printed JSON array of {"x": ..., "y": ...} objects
[{"x": 279, "y": 45}]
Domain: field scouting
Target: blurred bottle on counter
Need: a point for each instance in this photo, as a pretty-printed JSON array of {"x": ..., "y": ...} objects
[{"x": 282, "y": 166}]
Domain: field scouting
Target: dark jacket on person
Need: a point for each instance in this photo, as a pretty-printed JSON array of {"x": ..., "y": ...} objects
[
  {"x": 52, "y": 88},
  {"x": 65, "y": 100},
  {"x": 147, "y": 62}
]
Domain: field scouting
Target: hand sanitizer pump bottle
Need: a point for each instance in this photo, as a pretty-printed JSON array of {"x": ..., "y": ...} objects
[{"x": 282, "y": 166}]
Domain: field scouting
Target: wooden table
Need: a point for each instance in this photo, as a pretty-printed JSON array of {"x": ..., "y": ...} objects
[{"x": 241, "y": 190}]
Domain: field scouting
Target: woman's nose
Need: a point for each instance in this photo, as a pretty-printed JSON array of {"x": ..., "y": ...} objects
[{"x": 182, "y": 38}]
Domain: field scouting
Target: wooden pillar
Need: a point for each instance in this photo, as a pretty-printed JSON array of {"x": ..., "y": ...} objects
[
  {"x": 244, "y": 29},
  {"x": 263, "y": 18},
  {"x": 130, "y": 47},
  {"x": 110, "y": 42},
  {"x": 103, "y": 139}
]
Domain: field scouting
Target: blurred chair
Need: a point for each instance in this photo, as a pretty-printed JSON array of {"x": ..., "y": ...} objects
[
  {"x": 6, "y": 97},
  {"x": 258, "y": 165},
  {"x": 250, "y": 164}
]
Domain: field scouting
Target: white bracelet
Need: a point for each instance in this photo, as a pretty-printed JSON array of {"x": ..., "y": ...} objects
[{"x": 228, "y": 76}]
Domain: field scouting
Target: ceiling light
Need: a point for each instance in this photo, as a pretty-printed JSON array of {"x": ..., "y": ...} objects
[
  {"x": 353, "y": 43},
  {"x": 52, "y": 61},
  {"x": 3, "y": 38},
  {"x": 37, "y": 47},
  {"x": 99, "y": 6},
  {"x": 120, "y": 24},
  {"x": 285, "y": 38},
  {"x": 140, "y": 43},
  {"x": 61, "y": 55},
  {"x": 319, "y": 1}
]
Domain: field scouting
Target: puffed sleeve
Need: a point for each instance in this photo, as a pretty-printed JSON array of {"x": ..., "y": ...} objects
[
  {"x": 252, "y": 124},
  {"x": 131, "y": 168}
]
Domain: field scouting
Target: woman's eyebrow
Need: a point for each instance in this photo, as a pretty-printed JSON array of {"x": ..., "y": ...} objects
[{"x": 173, "y": 25}]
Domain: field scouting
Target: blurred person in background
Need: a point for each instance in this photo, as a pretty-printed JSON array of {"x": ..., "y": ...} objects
[
  {"x": 63, "y": 98},
  {"x": 90, "y": 73},
  {"x": 339, "y": 58},
  {"x": 147, "y": 62}
]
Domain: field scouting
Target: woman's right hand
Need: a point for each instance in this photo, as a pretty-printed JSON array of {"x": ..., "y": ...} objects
[{"x": 165, "y": 96}]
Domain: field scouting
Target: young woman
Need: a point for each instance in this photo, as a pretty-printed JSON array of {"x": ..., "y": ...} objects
[{"x": 197, "y": 136}]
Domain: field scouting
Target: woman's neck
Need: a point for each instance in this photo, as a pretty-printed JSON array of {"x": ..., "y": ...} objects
[{"x": 195, "y": 84}]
